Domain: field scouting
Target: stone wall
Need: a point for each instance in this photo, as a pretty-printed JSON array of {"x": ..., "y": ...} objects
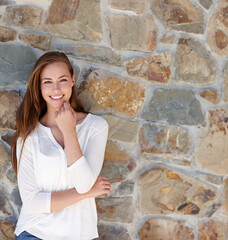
[{"x": 157, "y": 71}]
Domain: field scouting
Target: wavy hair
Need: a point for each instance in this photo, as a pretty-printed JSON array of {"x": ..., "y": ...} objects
[{"x": 33, "y": 106}]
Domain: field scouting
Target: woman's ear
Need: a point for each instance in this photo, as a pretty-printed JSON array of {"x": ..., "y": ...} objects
[{"x": 73, "y": 80}]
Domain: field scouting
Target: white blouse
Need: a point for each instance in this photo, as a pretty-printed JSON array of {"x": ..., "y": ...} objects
[{"x": 43, "y": 170}]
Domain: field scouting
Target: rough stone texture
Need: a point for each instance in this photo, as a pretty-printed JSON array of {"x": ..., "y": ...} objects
[
  {"x": 137, "y": 32},
  {"x": 115, "y": 209},
  {"x": 74, "y": 23},
  {"x": 28, "y": 17},
  {"x": 8, "y": 108},
  {"x": 7, "y": 230},
  {"x": 61, "y": 11},
  {"x": 224, "y": 197},
  {"x": 7, "y": 35},
  {"x": 210, "y": 178},
  {"x": 108, "y": 232},
  {"x": 10, "y": 174},
  {"x": 39, "y": 41},
  {"x": 206, "y": 3},
  {"x": 212, "y": 143},
  {"x": 168, "y": 39},
  {"x": 179, "y": 15},
  {"x": 152, "y": 68},
  {"x": 90, "y": 53},
  {"x": 6, "y": 2},
  {"x": 165, "y": 229},
  {"x": 165, "y": 191},
  {"x": 15, "y": 197},
  {"x": 225, "y": 87},
  {"x": 16, "y": 62},
  {"x": 104, "y": 91},
  {"x": 7, "y": 138},
  {"x": 118, "y": 163},
  {"x": 217, "y": 35},
  {"x": 174, "y": 106},
  {"x": 165, "y": 141},
  {"x": 213, "y": 230},
  {"x": 210, "y": 95},
  {"x": 126, "y": 188},
  {"x": 194, "y": 64},
  {"x": 137, "y": 6},
  {"x": 122, "y": 130},
  {"x": 5, "y": 207},
  {"x": 4, "y": 158}
]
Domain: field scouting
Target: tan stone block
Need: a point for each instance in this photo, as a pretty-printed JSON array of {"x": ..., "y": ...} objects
[
  {"x": 211, "y": 151},
  {"x": 7, "y": 228},
  {"x": 168, "y": 39},
  {"x": 172, "y": 175},
  {"x": 36, "y": 40},
  {"x": 164, "y": 141},
  {"x": 225, "y": 87},
  {"x": 22, "y": 16},
  {"x": 165, "y": 229},
  {"x": 225, "y": 198},
  {"x": 194, "y": 64},
  {"x": 153, "y": 68},
  {"x": 179, "y": 193},
  {"x": 137, "y": 32},
  {"x": 107, "y": 92},
  {"x": 213, "y": 229},
  {"x": 89, "y": 52},
  {"x": 117, "y": 163},
  {"x": 121, "y": 129},
  {"x": 179, "y": 15},
  {"x": 61, "y": 11},
  {"x": 137, "y": 6},
  {"x": 217, "y": 36},
  {"x": 108, "y": 232},
  {"x": 9, "y": 103},
  {"x": 151, "y": 176},
  {"x": 77, "y": 22},
  {"x": 166, "y": 190},
  {"x": 115, "y": 209},
  {"x": 7, "y": 35},
  {"x": 4, "y": 159},
  {"x": 210, "y": 95}
]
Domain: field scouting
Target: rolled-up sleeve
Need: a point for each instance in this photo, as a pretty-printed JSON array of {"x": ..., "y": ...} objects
[
  {"x": 34, "y": 200},
  {"x": 84, "y": 172}
]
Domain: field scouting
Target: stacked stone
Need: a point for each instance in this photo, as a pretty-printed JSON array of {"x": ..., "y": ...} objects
[{"x": 157, "y": 71}]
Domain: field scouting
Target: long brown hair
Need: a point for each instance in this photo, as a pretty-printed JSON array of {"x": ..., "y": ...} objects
[{"x": 33, "y": 106}]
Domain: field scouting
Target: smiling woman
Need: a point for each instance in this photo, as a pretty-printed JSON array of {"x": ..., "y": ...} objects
[{"x": 58, "y": 153}]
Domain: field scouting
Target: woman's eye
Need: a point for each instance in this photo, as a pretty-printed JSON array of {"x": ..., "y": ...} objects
[
  {"x": 63, "y": 80},
  {"x": 47, "y": 82}
]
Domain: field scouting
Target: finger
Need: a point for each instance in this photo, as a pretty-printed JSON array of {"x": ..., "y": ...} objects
[
  {"x": 66, "y": 105},
  {"x": 56, "y": 114}
]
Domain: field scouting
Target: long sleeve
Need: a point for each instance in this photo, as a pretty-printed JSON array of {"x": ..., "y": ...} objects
[
  {"x": 33, "y": 199},
  {"x": 84, "y": 172}
]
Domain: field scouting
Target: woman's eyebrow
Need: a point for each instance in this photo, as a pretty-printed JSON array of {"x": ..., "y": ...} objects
[
  {"x": 63, "y": 76},
  {"x": 46, "y": 78}
]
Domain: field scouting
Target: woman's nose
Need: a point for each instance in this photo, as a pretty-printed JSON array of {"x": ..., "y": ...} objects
[{"x": 55, "y": 86}]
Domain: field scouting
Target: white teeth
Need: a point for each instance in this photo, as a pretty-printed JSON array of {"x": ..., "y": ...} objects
[{"x": 56, "y": 97}]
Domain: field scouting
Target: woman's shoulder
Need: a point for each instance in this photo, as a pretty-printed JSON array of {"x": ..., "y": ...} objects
[{"x": 96, "y": 121}]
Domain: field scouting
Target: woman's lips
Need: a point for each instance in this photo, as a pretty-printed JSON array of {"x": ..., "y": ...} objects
[{"x": 57, "y": 97}]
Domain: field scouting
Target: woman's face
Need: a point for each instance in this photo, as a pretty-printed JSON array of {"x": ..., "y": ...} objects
[{"x": 56, "y": 85}]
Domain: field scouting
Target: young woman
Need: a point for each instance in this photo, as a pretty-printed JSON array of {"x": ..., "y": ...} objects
[{"x": 57, "y": 152}]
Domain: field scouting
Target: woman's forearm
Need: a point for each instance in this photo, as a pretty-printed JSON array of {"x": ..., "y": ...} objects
[
  {"x": 63, "y": 199},
  {"x": 72, "y": 147}
]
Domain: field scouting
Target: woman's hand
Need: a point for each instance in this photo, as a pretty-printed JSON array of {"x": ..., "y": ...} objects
[
  {"x": 66, "y": 118},
  {"x": 102, "y": 186}
]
